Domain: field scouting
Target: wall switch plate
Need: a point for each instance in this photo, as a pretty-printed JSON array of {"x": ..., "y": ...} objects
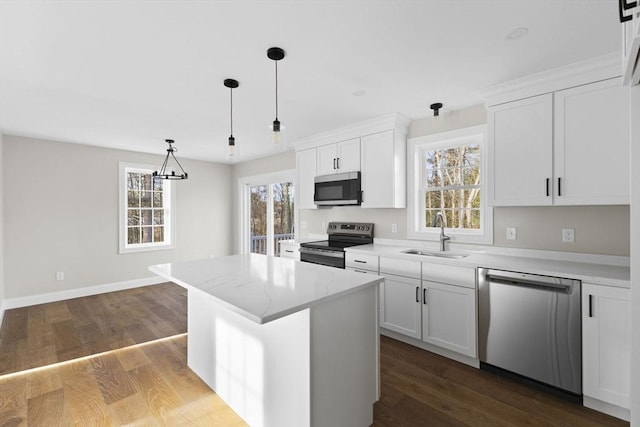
[
  {"x": 60, "y": 275},
  {"x": 394, "y": 228},
  {"x": 511, "y": 233},
  {"x": 568, "y": 235}
]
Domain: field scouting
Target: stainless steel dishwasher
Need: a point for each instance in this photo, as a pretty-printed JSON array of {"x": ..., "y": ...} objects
[{"x": 529, "y": 324}]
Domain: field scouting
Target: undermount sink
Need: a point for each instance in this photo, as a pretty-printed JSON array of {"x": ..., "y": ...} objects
[{"x": 435, "y": 254}]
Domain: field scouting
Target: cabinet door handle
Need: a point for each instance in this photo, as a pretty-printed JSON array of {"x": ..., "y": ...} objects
[
  {"x": 559, "y": 186},
  {"x": 338, "y": 163},
  {"x": 547, "y": 187},
  {"x": 417, "y": 293},
  {"x": 334, "y": 163},
  {"x": 590, "y": 305},
  {"x": 424, "y": 296}
]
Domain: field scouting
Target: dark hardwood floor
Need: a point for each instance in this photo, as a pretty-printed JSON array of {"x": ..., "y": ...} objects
[{"x": 147, "y": 382}]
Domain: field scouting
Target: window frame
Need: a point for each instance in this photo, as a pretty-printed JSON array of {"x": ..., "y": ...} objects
[
  {"x": 168, "y": 194},
  {"x": 415, "y": 169}
]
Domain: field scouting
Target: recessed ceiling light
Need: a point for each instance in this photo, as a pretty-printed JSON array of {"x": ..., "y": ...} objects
[
  {"x": 517, "y": 33},
  {"x": 359, "y": 92}
]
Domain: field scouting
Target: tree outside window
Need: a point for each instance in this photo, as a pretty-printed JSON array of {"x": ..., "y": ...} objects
[
  {"x": 447, "y": 173},
  {"x": 146, "y": 208}
]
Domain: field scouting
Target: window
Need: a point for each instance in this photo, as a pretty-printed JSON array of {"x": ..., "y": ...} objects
[
  {"x": 146, "y": 210},
  {"x": 446, "y": 174},
  {"x": 268, "y": 209}
]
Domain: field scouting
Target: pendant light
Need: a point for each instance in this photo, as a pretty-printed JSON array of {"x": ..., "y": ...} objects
[
  {"x": 436, "y": 108},
  {"x": 169, "y": 169},
  {"x": 276, "y": 54},
  {"x": 231, "y": 148}
]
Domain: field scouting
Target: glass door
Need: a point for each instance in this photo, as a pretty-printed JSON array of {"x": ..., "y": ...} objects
[{"x": 269, "y": 213}]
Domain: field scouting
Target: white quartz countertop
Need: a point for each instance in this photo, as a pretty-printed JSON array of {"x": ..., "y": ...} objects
[
  {"x": 590, "y": 272},
  {"x": 263, "y": 288}
]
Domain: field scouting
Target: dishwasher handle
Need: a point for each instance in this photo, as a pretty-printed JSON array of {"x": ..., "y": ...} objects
[{"x": 555, "y": 284}]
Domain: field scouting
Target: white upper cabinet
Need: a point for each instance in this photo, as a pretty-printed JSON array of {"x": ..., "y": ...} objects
[
  {"x": 566, "y": 148},
  {"x": 306, "y": 167},
  {"x": 383, "y": 170},
  {"x": 591, "y": 147},
  {"x": 339, "y": 157},
  {"x": 520, "y": 149},
  {"x": 376, "y": 148}
]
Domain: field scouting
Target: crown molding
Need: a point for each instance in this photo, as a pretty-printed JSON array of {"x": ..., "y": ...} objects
[
  {"x": 576, "y": 74},
  {"x": 394, "y": 121}
]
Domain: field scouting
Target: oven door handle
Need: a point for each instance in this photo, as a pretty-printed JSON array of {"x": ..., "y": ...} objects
[{"x": 322, "y": 252}]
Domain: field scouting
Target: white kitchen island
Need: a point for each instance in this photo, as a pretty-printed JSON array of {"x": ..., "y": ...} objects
[{"x": 283, "y": 343}]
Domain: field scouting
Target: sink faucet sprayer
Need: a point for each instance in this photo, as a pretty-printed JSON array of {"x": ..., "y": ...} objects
[{"x": 443, "y": 224}]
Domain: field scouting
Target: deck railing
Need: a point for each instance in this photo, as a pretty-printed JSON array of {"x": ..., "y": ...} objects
[{"x": 259, "y": 243}]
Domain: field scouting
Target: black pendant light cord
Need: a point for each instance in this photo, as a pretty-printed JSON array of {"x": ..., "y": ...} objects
[
  {"x": 231, "y": 89},
  {"x": 276, "y": 62}
]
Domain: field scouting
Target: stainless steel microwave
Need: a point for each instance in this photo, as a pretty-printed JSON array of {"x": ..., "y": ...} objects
[{"x": 340, "y": 189}]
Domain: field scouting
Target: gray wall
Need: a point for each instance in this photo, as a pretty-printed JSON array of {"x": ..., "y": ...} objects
[
  {"x": 635, "y": 255},
  {"x": 1, "y": 228},
  {"x": 538, "y": 228},
  {"x": 278, "y": 162},
  {"x": 61, "y": 214}
]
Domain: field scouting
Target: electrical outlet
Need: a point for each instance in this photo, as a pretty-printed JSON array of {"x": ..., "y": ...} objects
[
  {"x": 568, "y": 235},
  {"x": 394, "y": 228},
  {"x": 511, "y": 233},
  {"x": 60, "y": 275}
]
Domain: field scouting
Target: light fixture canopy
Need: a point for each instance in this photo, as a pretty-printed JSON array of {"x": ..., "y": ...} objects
[
  {"x": 168, "y": 169},
  {"x": 231, "y": 147},
  {"x": 276, "y": 54},
  {"x": 436, "y": 108}
]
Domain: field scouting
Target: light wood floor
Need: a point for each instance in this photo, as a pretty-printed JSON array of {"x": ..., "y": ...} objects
[
  {"x": 43, "y": 334},
  {"x": 150, "y": 384}
]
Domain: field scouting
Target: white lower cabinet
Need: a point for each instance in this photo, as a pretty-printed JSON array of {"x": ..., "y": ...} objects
[
  {"x": 449, "y": 317},
  {"x": 400, "y": 305},
  {"x": 434, "y": 311},
  {"x": 606, "y": 337},
  {"x": 290, "y": 249}
]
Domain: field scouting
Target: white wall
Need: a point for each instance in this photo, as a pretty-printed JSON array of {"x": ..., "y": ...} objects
[
  {"x": 278, "y": 162},
  {"x": 61, "y": 214},
  {"x": 538, "y": 228},
  {"x": 635, "y": 256}
]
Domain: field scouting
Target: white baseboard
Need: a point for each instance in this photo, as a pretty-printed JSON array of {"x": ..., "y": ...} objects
[
  {"x": 609, "y": 409},
  {"x": 10, "y": 303},
  {"x": 2, "y": 308}
]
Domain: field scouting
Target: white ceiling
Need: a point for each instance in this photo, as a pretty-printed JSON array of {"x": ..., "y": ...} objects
[{"x": 128, "y": 74}]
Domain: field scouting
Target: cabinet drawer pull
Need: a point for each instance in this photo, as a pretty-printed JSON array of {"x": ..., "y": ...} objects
[
  {"x": 361, "y": 271},
  {"x": 359, "y": 261},
  {"x": 590, "y": 305},
  {"x": 559, "y": 186},
  {"x": 289, "y": 251},
  {"x": 547, "y": 187},
  {"x": 417, "y": 293},
  {"x": 424, "y": 296}
]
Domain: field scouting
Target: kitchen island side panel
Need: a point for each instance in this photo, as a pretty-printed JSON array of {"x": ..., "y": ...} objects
[
  {"x": 345, "y": 355},
  {"x": 261, "y": 371}
]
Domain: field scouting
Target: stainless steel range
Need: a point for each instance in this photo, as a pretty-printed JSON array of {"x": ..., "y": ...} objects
[{"x": 341, "y": 235}]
